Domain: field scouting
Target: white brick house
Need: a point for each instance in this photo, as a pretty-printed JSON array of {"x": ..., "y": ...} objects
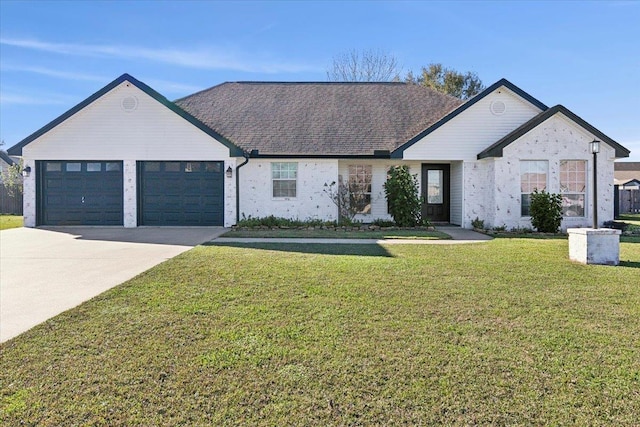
[{"x": 127, "y": 156}]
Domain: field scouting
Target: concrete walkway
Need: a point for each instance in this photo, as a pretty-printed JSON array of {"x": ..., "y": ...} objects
[
  {"x": 458, "y": 236},
  {"x": 44, "y": 272}
]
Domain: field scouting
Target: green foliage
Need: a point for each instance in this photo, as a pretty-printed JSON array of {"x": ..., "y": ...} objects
[
  {"x": 403, "y": 199},
  {"x": 274, "y": 221},
  {"x": 546, "y": 211},
  {"x": 478, "y": 223},
  {"x": 10, "y": 221},
  {"x": 383, "y": 222},
  {"x": 12, "y": 179},
  {"x": 448, "y": 80}
]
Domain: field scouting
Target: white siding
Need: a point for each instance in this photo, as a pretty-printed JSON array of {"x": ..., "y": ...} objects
[
  {"x": 456, "y": 193},
  {"x": 554, "y": 140},
  {"x": 104, "y": 130},
  {"x": 473, "y": 130}
]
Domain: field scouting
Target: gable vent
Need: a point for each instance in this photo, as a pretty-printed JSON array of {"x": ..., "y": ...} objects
[
  {"x": 129, "y": 103},
  {"x": 498, "y": 107}
]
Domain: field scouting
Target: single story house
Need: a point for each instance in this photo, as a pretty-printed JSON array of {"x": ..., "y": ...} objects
[
  {"x": 627, "y": 185},
  {"x": 127, "y": 156}
]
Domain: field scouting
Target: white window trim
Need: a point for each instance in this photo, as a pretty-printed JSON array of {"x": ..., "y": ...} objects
[
  {"x": 520, "y": 181},
  {"x": 586, "y": 183},
  {"x": 272, "y": 179}
]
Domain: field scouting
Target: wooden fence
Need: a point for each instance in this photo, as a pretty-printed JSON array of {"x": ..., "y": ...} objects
[{"x": 10, "y": 204}]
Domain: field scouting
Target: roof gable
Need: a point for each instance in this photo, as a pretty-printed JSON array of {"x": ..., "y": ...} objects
[
  {"x": 327, "y": 119},
  {"x": 495, "y": 150},
  {"x": 8, "y": 160},
  {"x": 398, "y": 153},
  {"x": 16, "y": 150}
]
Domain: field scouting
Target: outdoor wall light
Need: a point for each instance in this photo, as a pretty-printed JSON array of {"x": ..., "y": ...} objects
[
  {"x": 595, "y": 149},
  {"x": 26, "y": 172},
  {"x": 229, "y": 172}
]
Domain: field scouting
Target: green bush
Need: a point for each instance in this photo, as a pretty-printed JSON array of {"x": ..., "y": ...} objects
[
  {"x": 546, "y": 211},
  {"x": 403, "y": 198},
  {"x": 274, "y": 221}
]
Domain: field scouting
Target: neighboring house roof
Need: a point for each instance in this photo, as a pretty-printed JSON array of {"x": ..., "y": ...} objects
[
  {"x": 495, "y": 150},
  {"x": 627, "y": 182},
  {"x": 626, "y": 171},
  {"x": 316, "y": 119},
  {"x": 16, "y": 150},
  {"x": 5, "y": 157}
]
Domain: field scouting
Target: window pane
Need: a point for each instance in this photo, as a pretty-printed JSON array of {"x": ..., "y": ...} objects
[
  {"x": 434, "y": 188},
  {"x": 573, "y": 205},
  {"x": 74, "y": 167},
  {"x": 283, "y": 176},
  {"x": 212, "y": 167},
  {"x": 573, "y": 184},
  {"x": 284, "y": 188},
  {"x": 54, "y": 167},
  {"x": 525, "y": 203},
  {"x": 533, "y": 176},
  {"x": 113, "y": 166},
  {"x": 152, "y": 166},
  {"x": 94, "y": 167},
  {"x": 360, "y": 186},
  {"x": 172, "y": 166}
]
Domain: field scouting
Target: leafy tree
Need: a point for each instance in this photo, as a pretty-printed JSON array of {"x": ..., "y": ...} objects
[
  {"x": 448, "y": 80},
  {"x": 546, "y": 211},
  {"x": 365, "y": 66},
  {"x": 12, "y": 179},
  {"x": 403, "y": 199}
]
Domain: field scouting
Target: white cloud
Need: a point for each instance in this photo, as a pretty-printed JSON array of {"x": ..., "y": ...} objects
[
  {"x": 208, "y": 59},
  {"x": 44, "y": 99},
  {"x": 55, "y": 73}
]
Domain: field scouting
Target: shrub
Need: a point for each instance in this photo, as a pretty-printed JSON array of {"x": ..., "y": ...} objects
[
  {"x": 478, "y": 223},
  {"x": 546, "y": 211},
  {"x": 403, "y": 199},
  {"x": 383, "y": 222},
  {"x": 350, "y": 198}
]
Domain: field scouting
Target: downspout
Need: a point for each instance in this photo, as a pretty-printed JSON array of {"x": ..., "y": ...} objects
[{"x": 246, "y": 157}]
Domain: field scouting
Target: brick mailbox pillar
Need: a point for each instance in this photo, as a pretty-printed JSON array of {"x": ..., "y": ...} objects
[{"x": 594, "y": 245}]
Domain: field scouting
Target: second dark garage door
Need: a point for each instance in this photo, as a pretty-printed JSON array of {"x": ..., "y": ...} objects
[{"x": 181, "y": 193}]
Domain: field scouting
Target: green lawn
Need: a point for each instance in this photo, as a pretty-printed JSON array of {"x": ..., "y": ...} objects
[
  {"x": 507, "y": 332},
  {"x": 630, "y": 219},
  {"x": 10, "y": 221},
  {"x": 340, "y": 234}
]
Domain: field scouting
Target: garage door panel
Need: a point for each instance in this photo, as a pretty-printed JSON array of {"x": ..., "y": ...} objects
[
  {"x": 181, "y": 193},
  {"x": 80, "y": 193}
]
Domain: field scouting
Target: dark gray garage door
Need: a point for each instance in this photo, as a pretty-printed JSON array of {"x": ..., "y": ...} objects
[
  {"x": 79, "y": 193},
  {"x": 181, "y": 193}
]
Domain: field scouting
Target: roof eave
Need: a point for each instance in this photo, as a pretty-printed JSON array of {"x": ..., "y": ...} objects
[
  {"x": 398, "y": 153},
  {"x": 496, "y": 149},
  {"x": 234, "y": 150}
]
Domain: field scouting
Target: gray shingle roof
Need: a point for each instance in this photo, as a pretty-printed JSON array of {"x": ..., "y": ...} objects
[{"x": 318, "y": 118}]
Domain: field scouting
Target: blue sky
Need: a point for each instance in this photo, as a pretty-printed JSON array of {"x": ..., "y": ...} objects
[{"x": 54, "y": 54}]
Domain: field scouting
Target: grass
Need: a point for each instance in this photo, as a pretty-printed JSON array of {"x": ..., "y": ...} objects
[
  {"x": 340, "y": 234},
  {"x": 630, "y": 219},
  {"x": 10, "y": 221},
  {"x": 507, "y": 332}
]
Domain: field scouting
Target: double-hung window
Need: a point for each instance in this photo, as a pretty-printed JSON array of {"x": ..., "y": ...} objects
[
  {"x": 360, "y": 187},
  {"x": 284, "y": 178},
  {"x": 573, "y": 184},
  {"x": 533, "y": 176}
]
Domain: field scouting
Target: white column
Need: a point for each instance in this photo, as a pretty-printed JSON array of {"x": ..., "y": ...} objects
[
  {"x": 230, "y": 193},
  {"x": 130, "y": 202},
  {"x": 29, "y": 195}
]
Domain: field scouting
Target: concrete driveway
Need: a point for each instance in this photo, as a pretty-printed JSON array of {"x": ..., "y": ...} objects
[{"x": 44, "y": 272}]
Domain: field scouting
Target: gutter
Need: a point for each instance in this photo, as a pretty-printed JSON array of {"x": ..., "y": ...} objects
[{"x": 246, "y": 157}]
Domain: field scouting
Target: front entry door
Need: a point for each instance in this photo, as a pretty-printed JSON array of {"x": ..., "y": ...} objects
[{"x": 435, "y": 191}]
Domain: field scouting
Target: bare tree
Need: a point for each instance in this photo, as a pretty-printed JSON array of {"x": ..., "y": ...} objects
[{"x": 365, "y": 66}]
